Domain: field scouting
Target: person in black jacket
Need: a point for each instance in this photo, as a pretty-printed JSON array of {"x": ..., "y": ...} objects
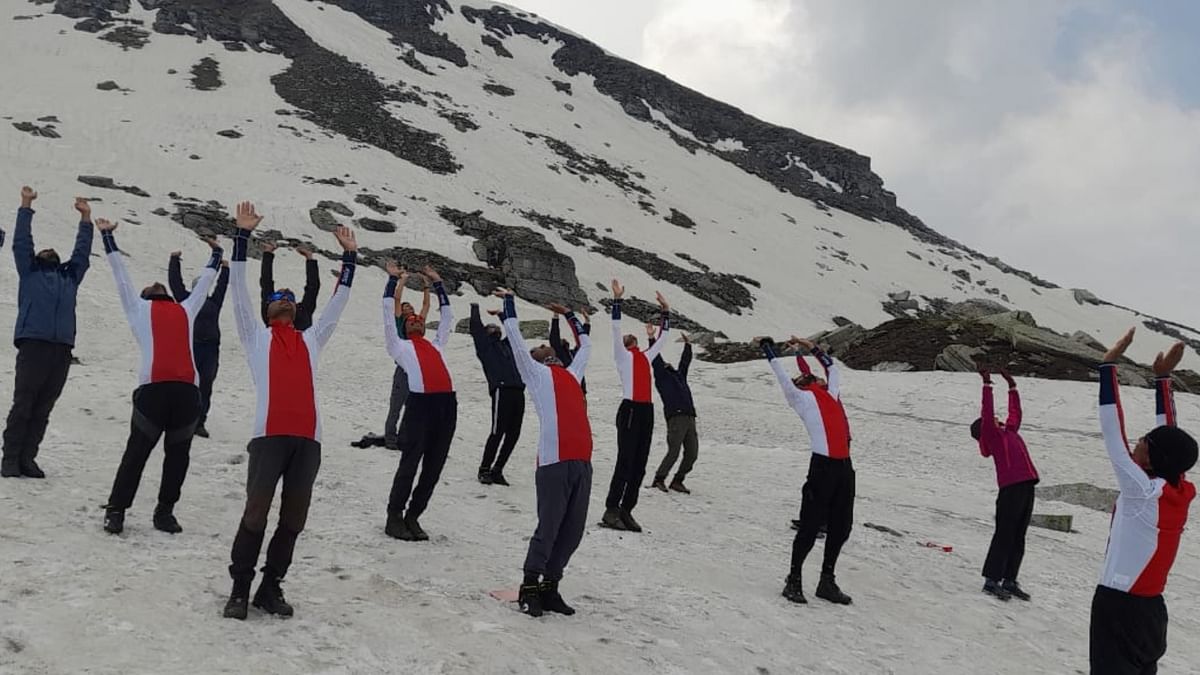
[
  {"x": 312, "y": 285},
  {"x": 206, "y": 332},
  {"x": 680, "y": 410},
  {"x": 563, "y": 349},
  {"x": 507, "y": 392}
]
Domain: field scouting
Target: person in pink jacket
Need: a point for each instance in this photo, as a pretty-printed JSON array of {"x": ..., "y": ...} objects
[{"x": 1016, "y": 477}]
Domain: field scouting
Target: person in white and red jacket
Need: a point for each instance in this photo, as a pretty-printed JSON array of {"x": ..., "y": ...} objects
[
  {"x": 1129, "y": 615},
  {"x": 1016, "y": 477},
  {"x": 829, "y": 490},
  {"x": 167, "y": 400},
  {"x": 430, "y": 413},
  {"x": 564, "y": 463},
  {"x": 286, "y": 443},
  {"x": 635, "y": 416}
]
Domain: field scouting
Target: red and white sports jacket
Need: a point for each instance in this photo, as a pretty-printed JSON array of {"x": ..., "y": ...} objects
[
  {"x": 1150, "y": 512},
  {"x": 557, "y": 394},
  {"x": 162, "y": 327},
  {"x": 819, "y": 407},
  {"x": 633, "y": 364},
  {"x": 283, "y": 360},
  {"x": 422, "y": 360}
]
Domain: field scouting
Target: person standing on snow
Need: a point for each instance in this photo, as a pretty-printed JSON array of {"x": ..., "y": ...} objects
[
  {"x": 431, "y": 412},
  {"x": 828, "y": 494},
  {"x": 206, "y": 333},
  {"x": 1128, "y": 631},
  {"x": 564, "y": 464},
  {"x": 680, "y": 411},
  {"x": 286, "y": 443},
  {"x": 392, "y": 431},
  {"x": 507, "y": 393},
  {"x": 167, "y": 400},
  {"x": 44, "y": 335},
  {"x": 635, "y": 417},
  {"x": 1016, "y": 477},
  {"x": 312, "y": 285}
]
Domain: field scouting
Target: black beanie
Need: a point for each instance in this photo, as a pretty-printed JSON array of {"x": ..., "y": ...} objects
[{"x": 1172, "y": 453}]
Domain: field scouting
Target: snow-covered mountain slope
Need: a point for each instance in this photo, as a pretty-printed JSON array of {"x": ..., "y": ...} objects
[{"x": 584, "y": 166}]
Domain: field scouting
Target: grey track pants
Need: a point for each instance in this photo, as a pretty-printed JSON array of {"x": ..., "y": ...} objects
[{"x": 563, "y": 491}]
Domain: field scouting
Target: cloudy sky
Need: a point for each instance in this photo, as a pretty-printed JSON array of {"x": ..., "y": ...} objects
[{"x": 1060, "y": 135}]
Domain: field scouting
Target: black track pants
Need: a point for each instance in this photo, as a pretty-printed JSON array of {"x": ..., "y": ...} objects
[
  {"x": 508, "y": 412},
  {"x": 827, "y": 498},
  {"x": 161, "y": 408},
  {"x": 1128, "y": 633},
  {"x": 429, "y": 423},
  {"x": 635, "y": 431},
  {"x": 1014, "y": 509}
]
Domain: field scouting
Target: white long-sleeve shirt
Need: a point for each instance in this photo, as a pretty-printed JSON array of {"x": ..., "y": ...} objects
[
  {"x": 633, "y": 365},
  {"x": 423, "y": 361}
]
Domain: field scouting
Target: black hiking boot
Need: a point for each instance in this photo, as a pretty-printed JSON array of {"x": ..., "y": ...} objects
[
  {"x": 114, "y": 520},
  {"x": 10, "y": 467},
  {"x": 793, "y": 590},
  {"x": 414, "y": 527},
  {"x": 678, "y": 486},
  {"x": 552, "y": 601},
  {"x": 396, "y": 528},
  {"x": 30, "y": 469},
  {"x": 612, "y": 520},
  {"x": 1014, "y": 589},
  {"x": 485, "y": 476},
  {"x": 660, "y": 483},
  {"x": 237, "y": 606},
  {"x": 529, "y": 599},
  {"x": 164, "y": 520},
  {"x": 993, "y": 588},
  {"x": 200, "y": 431},
  {"x": 269, "y": 598},
  {"x": 630, "y": 524},
  {"x": 827, "y": 589},
  {"x": 498, "y": 478}
]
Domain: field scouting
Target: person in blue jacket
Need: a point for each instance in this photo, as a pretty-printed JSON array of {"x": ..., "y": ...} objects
[
  {"x": 206, "y": 333},
  {"x": 44, "y": 334},
  {"x": 680, "y": 409}
]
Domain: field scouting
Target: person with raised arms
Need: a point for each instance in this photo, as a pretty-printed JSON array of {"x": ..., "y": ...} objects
[
  {"x": 563, "y": 349},
  {"x": 828, "y": 493},
  {"x": 44, "y": 335},
  {"x": 206, "y": 334},
  {"x": 507, "y": 393},
  {"x": 431, "y": 412},
  {"x": 1129, "y": 616},
  {"x": 635, "y": 416},
  {"x": 680, "y": 410},
  {"x": 167, "y": 399},
  {"x": 564, "y": 459},
  {"x": 286, "y": 442},
  {"x": 312, "y": 284}
]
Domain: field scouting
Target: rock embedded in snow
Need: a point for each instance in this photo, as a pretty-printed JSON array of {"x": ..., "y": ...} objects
[
  {"x": 323, "y": 219},
  {"x": 958, "y": 358},
  {"x": 109, "y": 184},
  {"x": 230, "y": 133},
  {"x": 499, "y": 89},
  {"x": 1084, "y": 296},
  {"x": 206, "y": 74},
  {"x": 376, "y": 225},
  {"x": 47, "y": 131}
]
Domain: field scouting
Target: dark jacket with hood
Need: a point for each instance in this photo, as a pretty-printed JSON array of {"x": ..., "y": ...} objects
[
  {"x": 207, "y": 327},
  {"x": 673, "y": 386},
  {"x": 495, "y": 354},
  {"x": 46, "y": 295}
]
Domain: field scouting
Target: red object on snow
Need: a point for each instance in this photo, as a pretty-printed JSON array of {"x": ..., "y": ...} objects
[{"x": 930, "y": 544}]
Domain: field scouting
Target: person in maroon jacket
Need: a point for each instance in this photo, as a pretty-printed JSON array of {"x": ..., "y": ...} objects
[{"x": 1016, "y": 477}]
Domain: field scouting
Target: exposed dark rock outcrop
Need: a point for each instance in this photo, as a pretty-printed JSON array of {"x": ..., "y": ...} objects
[
  {"x": 374, "y": 203},
  {"x": 528, "y": 264},
  {"x": 720, "y": 289},
  {"x": 499, "y": 89},
  {"x": 496, "y": 45},
  {"x": 376, "y": 225},
  {"x": 46, "y": 131},
  {"x": 584, "y": 166},
  {"x": 109, "y": 184},
  {"x": 128, "y": 37},
  {"x": 337, "y": 207},
  {"x": 230, "y": 133},
  {"x": 680, "y": 219},
  {"x": 206, "y": 74}
]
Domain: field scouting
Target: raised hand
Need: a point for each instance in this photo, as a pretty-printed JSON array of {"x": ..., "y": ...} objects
[
  {"x": 502, "y": 292},
  {"x": 683, "y": 338},
  {"x": 1118, "y": 349},
  {"x": 176, "y": 254},
  {"x": 84, "y": 209},
  {"x": 248, "y": 219},
  {"x": 1164, "y": 364},
  {"x": 617, "y": 289},
  {"x": 345, "y": 237},
  {"x": 267, "y": 246},
  {"x": 212, "y": 242},
  {"x": 587, "y": 316},
  {"x": 105, "y": 225},
  {"x": 662, "y": 302},
  {"x": 28, "y": 196},
  {"x": 985, "y": 374},
  {"x": 305, "y": 251},
  {"x": 557, "y": 308},
  {"x": 393, "y": 268},
  {"x": 494, "y": 312},
  {"x": 431, "y": 274},
  {"x": 1008, "y": 378},
  {"x": 225, "y": 263},
  {"x": 651, "y": 329},
  {"x": 801, "y": 342}
]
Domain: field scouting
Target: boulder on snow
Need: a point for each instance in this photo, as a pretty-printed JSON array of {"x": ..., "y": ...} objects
[
  {"x": 840, "y": 339},
  {"x": 975, "y": 308},
  {"x": 1087, "y": 339},
  {"x": 1080, "y": 494},
  {"x": 323, "y": 219},
  {"x": 1086, "y": 297},
  {"x": 1051, "y": 522},
  {"x": 1008, "y": 319},
  {"x": 892, "y": 367},
  {"x": 900, "y": 296},
  {"x": 958, "y": 358}
]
